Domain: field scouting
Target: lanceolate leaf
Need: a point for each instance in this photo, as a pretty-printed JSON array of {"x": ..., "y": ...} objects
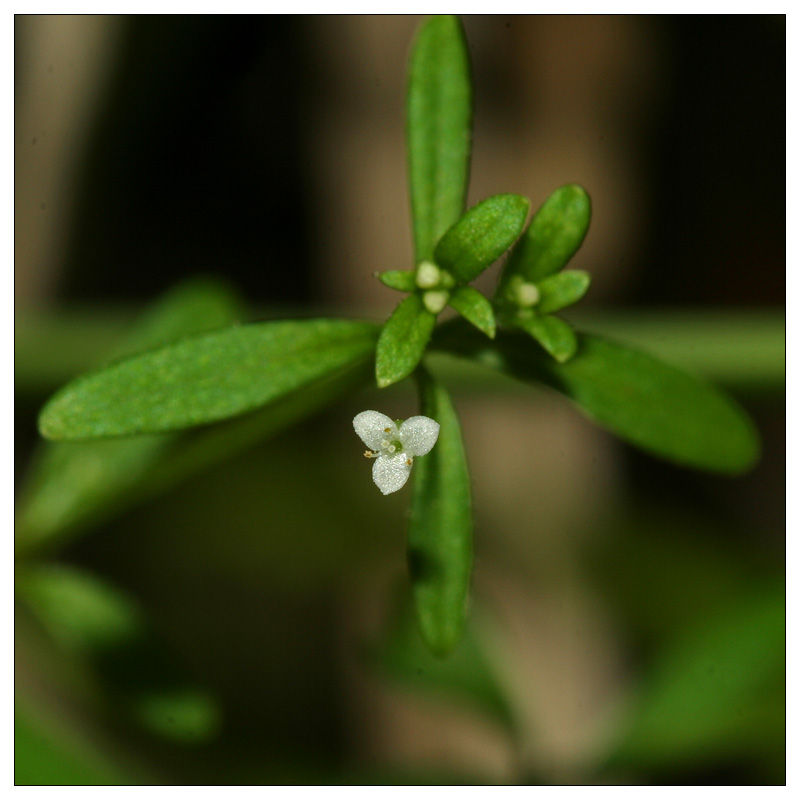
[
  {"x": 561, "y": 290},
  {"x": 440, "y": 532},
  {"x": 107, "y": 632},
  {"x": 554, "y": 235},
  {"x": 205, "y": 378},
  {"x": 403, "y": 340},
  {"x": 554, "y": 335},
  {"x": 400, "y": 279},
  {"x": 439, "y": 123},
  {"x": 475, "y": 308},
  {"x": 653, "y": 405},
  {"x": 717, "y": 689},
  {"x": 482, "y": 235},
  {"x": 69, "y": 483}
]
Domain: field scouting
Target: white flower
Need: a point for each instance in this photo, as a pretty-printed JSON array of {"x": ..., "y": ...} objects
[{"x": 393, "y": 445}]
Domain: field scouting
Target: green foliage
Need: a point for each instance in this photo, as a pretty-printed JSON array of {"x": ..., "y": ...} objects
[
  {"x": 440, "y": 530},
  {"x": 554, "y": 335},
  {"x": 475, "y": 308},
  {"x": 532, "y": 287},
  {"x": 400, "y": 279},
  {"x": 481, "y": 236},
  {"x": 81, "y": 612},
  {"x": 556, "y": 232},
  {"x": 188, "y": 365},
  {"x": 47, "y": 756},
  {"x": 657, "y": 407},
  {"x": 205, "y": 378},
  {"x": 561, "y": 290},
  {"x": 106, "y": 631},
  {"x": 403, "y": 340},
  {"x": 70, "y": 483},
  {"x": 712, "y": 690},
  {"x": 438, "y": 133}
]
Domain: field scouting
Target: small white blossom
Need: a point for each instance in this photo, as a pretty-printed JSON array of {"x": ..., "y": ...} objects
[{"x": 393, "y": 445}]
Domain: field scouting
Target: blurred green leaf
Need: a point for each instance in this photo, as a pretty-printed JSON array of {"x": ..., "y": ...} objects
[
  {"x": 745, "y": 348},
  {"x": 107, "y": 631},
  {"x": 195, "y": 306},
  {"x": 70, "y": 482},
  {"x": 655, "y": 406},
  {"x": 438, "y": 130},
  {"x": 181, "y": 713},
  {"x": 705, "y": 695},
  {"x": 466, "y": 676},
  {"x": 403, "y": 340},
  {"x": 400, "y": 279},
  {"x": 481, "y": 236},
  {"x": 49, "y": 756},
  {"x": 475, "y": 308},
  {"x": 440, "y": 530},
  {"x": 556, "y": 232},
  {"x": 79, "y": 611},
  {"x": 555, "y": 335},
  {"x": 205, "y": 378},
  {"x": 561, "y": 290}
]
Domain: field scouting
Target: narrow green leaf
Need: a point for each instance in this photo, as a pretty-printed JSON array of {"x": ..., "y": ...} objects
[
  {"x": 475, "y": 308},
  {"x": 204, "y": 378},
  {"x": 653, "y": 405},
  {"x": 481, "y": 236},
  {"x": 79, "y": 611},
  {"x": 440, "y": 531},
  {"x": 52, "y": 753},
  {"x": 561, "y": 290},
  {"x": 438, "y": 130},
  {"x": 400, "y": 279},
  {"x": 553, "y": 237},
  {"x": 554, "y": 335},
  {"x": 714, "y": 691},
  {"x": 467, "y": 676},
  {"x": 103, "y": 628},
  {"x": 68, "y": 481},
  {"x": 403, "y": 340},
  {"x": 194, "y": 306}
]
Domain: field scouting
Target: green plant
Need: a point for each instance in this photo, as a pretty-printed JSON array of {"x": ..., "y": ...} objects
[{"x": 254, "y": 379}]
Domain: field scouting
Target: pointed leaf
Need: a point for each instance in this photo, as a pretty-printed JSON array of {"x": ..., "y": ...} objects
[
  {"x": 481, "y": 236},
  {"x": 205, "y": 378},
  {"x": 52, "y": 752},
  {"x": 440, "y": 531},
  {"x": 400, "y": 279},
  {"x": 194, "y": 306},
  {"x": 403, "y": 340},
  {"x": 439, "y": 123},
  {"x": 554, "y": 335},
  {"x": 105, "y": 629},
  {"x": 68, "y": 482},
  {"x": 716, "y": 690},
  {"x": 653, "y": 405},
  {"x": 553, "y": 237},
  {"x": 475, "y": 308},
  {"x": 561, "y": 290}
]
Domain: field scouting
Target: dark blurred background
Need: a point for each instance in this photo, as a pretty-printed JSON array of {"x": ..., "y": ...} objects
[{"x": 269, "y": 151}]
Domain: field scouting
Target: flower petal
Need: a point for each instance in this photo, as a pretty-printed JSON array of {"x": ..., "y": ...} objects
[
  {"x": 390, "y": 473},
  {"x": 371, "y": 427},
  {"x": 419, "y": 435}
]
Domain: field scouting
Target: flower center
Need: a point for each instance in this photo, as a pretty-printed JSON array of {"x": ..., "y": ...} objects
[{"x": 391, "y": 446}]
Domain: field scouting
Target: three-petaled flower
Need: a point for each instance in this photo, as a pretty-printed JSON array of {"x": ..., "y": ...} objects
[{"x": 393, "y": 445}]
